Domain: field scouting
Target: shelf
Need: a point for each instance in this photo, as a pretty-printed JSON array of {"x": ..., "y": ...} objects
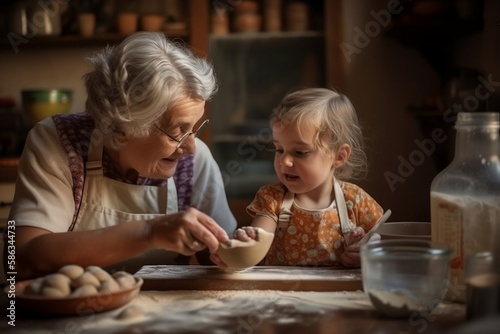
[
  {"x": 75, "y": 40},
  {"x": 267, "y": 35},
  {"x": 8, "y": 169}
]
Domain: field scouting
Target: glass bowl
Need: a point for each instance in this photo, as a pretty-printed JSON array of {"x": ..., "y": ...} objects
[
  {"x": 403, "y": 277},
  {"x": 405, "y": 230}
]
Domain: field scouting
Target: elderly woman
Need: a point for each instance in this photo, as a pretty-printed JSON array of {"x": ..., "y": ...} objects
[{"x": 122, "y": 185}]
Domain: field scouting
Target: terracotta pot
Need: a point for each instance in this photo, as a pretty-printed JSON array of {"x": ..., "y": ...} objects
[
  {"x": 86, "y": 24},
  {"x": 247, "y": 22},
  {"x": 127, "y": 23},
  {"x": 152, "y": 22}
]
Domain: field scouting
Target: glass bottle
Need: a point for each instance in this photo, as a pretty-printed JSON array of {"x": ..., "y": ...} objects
[{"x": 465, "y": 196}]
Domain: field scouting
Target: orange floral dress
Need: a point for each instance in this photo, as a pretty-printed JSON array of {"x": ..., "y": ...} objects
[{"x": 312, "y": 237}]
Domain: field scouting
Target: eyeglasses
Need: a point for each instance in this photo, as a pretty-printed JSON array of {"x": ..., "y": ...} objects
[{"x": 180, "y": 140}]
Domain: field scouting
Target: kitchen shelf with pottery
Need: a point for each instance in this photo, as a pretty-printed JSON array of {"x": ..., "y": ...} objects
[
  {"x": 75, "y": 40},
  {"x": 270, "y": 35},
  {"x": 29, "y": 24}
]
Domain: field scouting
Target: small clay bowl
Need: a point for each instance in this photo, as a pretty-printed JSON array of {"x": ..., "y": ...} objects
[{"x": 245, "y": 254}]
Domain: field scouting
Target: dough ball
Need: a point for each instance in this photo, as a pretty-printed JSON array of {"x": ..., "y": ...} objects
[
  {"x": 101, "y": 274},
  {"x": 34, "y": 288},
  {"x": 50, "y": 292},
  {"x": 130, "y": 312},
  {"x": 109, "y": 286},
  {"x": 57, "y": 281},
  {"x": 124, "y": 279},
  {"x": 93, "y": 269},
  {"x": 71, "y": 270},
  {"x": 84, "y": 291},
  {"x": 87, "y": 278}
]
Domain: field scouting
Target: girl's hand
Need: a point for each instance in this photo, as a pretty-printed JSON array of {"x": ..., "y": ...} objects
[
  {"x": 246, "y": 233},
  {"x": 351, "y": 257}
]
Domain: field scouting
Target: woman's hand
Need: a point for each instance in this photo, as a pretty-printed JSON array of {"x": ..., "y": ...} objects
[{"x": 186, "y": 232}]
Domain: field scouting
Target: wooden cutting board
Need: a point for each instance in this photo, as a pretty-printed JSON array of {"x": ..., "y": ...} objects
[{"x": 194, "y": 277}]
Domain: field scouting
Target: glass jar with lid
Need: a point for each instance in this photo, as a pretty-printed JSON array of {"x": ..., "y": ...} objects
[{"x": 465, "y": 196}]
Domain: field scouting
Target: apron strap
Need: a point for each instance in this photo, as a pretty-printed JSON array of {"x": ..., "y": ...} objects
[
  {"x": 93, "y": 166},
  {"x": 93, "y": 169},
  {"x": 95, "y": 147},
  {"x": 285, "y": 214},
  {"x": 342, "y": 211}
]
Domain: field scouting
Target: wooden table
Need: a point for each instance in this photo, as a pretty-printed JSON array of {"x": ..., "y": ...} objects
[
  {"x": 243, "y": 310},
  {"x": 193, "y": 277}
]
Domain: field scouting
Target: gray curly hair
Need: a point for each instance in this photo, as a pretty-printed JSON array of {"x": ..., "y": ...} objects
[{"x": 135, "y": 83}]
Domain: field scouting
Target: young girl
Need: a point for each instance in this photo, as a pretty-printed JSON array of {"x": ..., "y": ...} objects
[{"x": 316, "y": 216}]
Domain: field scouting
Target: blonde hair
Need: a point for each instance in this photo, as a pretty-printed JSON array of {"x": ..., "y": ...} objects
[
  {"x": 135, "y": 83},
  {"x": 333, "y": 117}
]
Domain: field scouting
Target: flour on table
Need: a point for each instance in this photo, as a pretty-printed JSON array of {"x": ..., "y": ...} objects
[
  {"x": 192, "y": 311},
  {"x": 217, "y": 312}
]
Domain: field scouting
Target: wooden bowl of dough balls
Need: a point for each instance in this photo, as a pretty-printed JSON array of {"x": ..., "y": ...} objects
[{"x": 74, "y": 290}]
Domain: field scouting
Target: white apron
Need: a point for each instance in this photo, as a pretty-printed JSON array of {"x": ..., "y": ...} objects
[
  {"x": 107, "y": 202},
  {"x": 285, "y": 214}
]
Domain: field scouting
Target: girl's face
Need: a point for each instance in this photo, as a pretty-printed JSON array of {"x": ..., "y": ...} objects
[
  {"x": 300, "y": 165},
  {"x": 156, "y": 155}
]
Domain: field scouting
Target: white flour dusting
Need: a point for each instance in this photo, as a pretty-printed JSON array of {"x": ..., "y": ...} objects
[
  {"x": 218, "y": 312},
  {"x": 192, "y": 311}
]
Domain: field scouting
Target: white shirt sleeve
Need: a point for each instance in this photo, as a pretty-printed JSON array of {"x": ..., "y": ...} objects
[
  {"x": 44, "y": 187},
  {"x": 208, "y": 193}
]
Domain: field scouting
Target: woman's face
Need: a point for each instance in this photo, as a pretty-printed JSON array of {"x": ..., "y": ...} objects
[
  {"x": 156, "y": 156},
  {"x": 300, "y": 164}
]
